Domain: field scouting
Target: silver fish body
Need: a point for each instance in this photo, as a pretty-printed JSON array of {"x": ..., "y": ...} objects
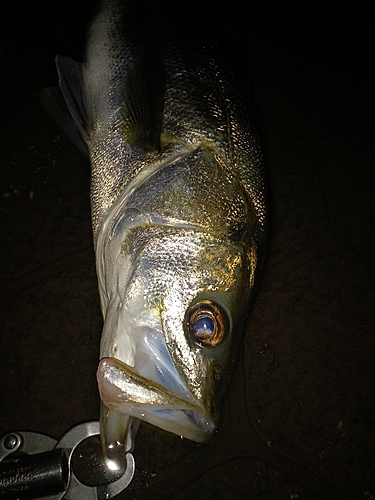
[{"x": 179, "y": 222}]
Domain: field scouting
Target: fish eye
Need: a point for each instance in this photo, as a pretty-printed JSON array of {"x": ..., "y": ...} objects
[{"x": 207, "y": 323}]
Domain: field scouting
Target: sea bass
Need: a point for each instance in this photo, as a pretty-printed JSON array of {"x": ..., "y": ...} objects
[{"x": 179, "y": 220}]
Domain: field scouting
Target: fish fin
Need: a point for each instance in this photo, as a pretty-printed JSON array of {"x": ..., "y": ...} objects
[
  {"x": 74, "y": 92},
  {"x": 54, "y": 102},
  {"x": 144, "y": 102},
  {"x": 69, "y": 104}
]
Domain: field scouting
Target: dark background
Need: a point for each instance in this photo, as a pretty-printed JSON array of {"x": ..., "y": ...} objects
[{"x": 299, "y": 418}]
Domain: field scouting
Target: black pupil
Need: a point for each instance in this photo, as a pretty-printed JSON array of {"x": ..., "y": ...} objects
[{"x": 203, "y": 327}]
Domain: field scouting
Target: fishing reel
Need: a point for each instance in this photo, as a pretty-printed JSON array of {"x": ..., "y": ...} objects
[{"x": 34, "y": 465}]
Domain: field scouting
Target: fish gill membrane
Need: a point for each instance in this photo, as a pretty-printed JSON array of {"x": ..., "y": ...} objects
[{"x": 179, "y": 220}]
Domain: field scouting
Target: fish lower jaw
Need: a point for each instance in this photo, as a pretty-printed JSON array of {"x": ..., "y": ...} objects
[
  {"x": 130, "y": 394},
  {"x": 179, "y": 422}
]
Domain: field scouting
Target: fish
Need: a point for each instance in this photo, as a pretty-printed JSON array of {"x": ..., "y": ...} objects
[{"x": 179, "y": 219}]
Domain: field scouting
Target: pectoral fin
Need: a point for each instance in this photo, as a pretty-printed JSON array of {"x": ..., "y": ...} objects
[{"x": 144, "y": 103}]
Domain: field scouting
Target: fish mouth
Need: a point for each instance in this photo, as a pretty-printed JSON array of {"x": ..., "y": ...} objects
[{"x": 126, "y": 391}]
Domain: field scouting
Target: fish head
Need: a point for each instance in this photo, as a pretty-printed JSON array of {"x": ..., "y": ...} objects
[{"x": 177, "y": 302}]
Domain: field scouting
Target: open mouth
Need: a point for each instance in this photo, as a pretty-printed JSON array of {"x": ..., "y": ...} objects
[{"x": 126, "y": 391}]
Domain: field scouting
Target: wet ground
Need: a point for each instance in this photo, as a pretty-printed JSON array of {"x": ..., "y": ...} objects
[{"x": 298, "y": 422}]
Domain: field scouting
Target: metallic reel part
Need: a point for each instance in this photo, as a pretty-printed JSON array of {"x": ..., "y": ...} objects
[
  {"x": 30, "y": 465},
  {"x": 76, "y": 489},
  {"x": 36, "y": 447}
]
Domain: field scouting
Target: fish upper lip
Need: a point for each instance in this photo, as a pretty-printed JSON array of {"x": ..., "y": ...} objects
[
  {"x": 122, "y": 389},
  {"x": 132, "y": 388}
]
